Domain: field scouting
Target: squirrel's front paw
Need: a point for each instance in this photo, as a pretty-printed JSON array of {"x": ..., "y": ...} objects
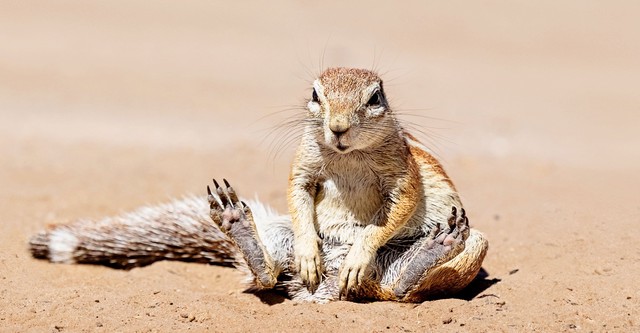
[
  {"x": 309, "y": 265},
  {"x": 353, "y": 271}
]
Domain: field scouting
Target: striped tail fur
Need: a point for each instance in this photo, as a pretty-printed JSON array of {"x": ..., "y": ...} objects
[{"x": 179, "y": 230}]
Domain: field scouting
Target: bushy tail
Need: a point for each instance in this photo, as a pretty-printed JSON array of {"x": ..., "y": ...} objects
[{"x": 180, "y": 230}]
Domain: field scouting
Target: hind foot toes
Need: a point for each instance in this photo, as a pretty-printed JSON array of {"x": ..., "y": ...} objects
[
  {"x": 227, "y": 209},
  {"x": 458, "y": 230}
]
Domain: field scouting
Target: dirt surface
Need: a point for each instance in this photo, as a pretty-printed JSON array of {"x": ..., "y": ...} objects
[{"x": 533, "y": 107}]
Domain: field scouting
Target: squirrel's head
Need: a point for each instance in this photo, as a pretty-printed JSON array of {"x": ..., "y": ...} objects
[{"x": 352, "y": 108}]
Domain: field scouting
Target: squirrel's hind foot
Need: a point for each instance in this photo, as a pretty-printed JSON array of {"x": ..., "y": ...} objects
[
  {"x": 235, "y": 219},
  {"x": 435, "y": 249}
]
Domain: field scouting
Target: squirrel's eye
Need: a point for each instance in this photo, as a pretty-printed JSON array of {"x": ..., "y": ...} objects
[
  {"x": 314, "y": 96},
  {"x": 375, "y": 100}
]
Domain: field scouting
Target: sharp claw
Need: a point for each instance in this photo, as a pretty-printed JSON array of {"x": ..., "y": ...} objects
[
  {"x": 460, "y": 222},
  {"x": 232, "y": 193},
  {"x": 464, "y": 214},
  {"x": 343, "y": 292},
  {"x": 454, "y": 211},
  {"x": 452, "y": 221},
  {"x": 222, "y": 193},
  {"x": 213, "y": 202},
  {"x": 210, "y": 197}
]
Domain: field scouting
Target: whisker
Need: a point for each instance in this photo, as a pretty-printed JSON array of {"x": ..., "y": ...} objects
[
  {"x": 379, "y": 131},
  {"x": 423, "y": 130},
  {"x": 284, "y": 144},
  {"x": 409, "y": 113},
  {"x": 288, "y": 108},
  {"x": 285, "y": 132}
]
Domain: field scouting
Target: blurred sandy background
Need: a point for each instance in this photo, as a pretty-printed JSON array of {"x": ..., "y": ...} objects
[{"x": 532, "y": 106}]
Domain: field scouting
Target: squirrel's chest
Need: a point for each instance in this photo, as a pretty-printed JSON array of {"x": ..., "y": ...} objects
[{"x": 347, "y": 201}]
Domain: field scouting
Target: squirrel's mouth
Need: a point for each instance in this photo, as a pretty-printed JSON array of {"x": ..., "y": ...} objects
[{"x": 342, "y": 147}]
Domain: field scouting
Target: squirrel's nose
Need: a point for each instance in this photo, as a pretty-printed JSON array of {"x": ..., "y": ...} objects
[
  {"x": 338, "y": 130},
  {"x": 338, "y": 133}
]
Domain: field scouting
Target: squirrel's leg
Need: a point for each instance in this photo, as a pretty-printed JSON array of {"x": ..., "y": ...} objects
[
  {"x": 276, "y": 233},
  {"x": 452, "y": 275},
  {"x": 419, "y": 271},
  {"x": 235, "y": 219}
]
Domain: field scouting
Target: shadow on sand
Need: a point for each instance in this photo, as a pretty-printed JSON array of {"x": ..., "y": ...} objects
[{"x": 473, "y": 290}]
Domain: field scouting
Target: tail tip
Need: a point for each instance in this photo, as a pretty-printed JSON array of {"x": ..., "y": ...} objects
[{"x": 57, "y": 245}]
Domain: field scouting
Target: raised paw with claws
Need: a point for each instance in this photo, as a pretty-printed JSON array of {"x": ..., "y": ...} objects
[
  {"x": 458, "y": 229},
  {"x": 229, "y": 209},
  {"x": 235, "y": 219}
]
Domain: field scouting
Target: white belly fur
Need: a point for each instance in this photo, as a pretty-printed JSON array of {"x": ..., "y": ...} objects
[{"x": 343, "y": 211}]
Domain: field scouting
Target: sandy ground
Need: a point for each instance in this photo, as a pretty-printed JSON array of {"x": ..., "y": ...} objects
[{"x": 532, "y": 106}]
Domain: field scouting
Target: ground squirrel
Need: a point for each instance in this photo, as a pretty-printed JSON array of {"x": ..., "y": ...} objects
[{"x": 373, "y": 216}]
